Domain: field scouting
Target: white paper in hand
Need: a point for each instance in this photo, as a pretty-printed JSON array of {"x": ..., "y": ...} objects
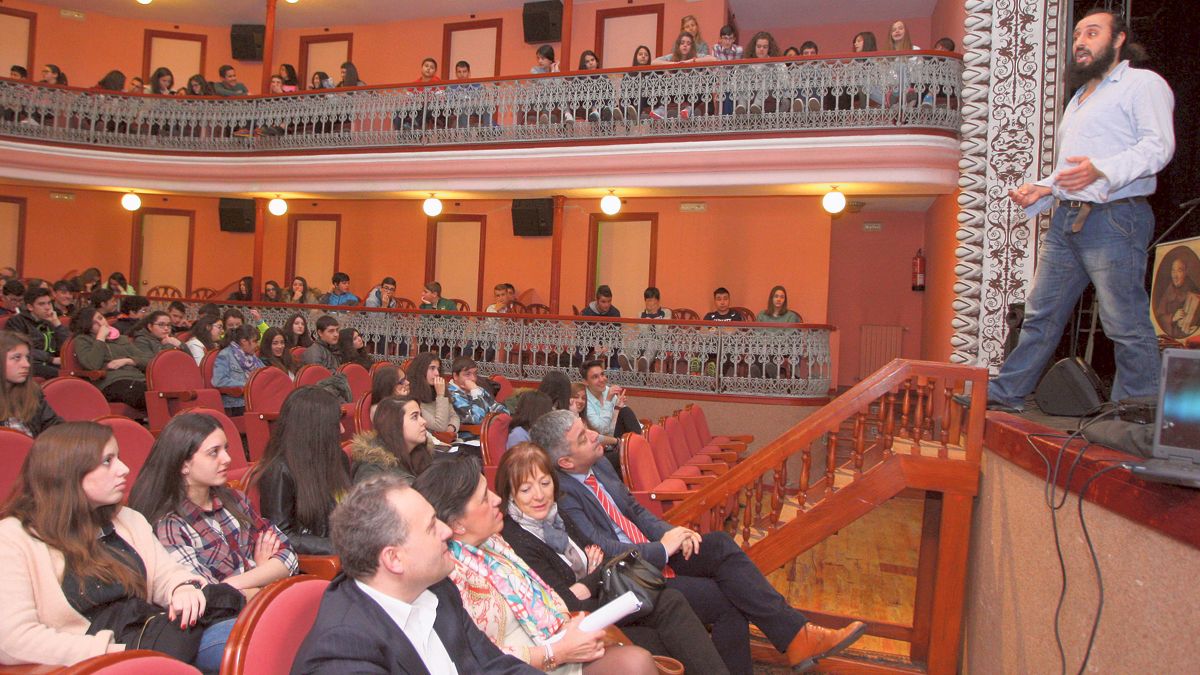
[{"x": 611, "y": 613}]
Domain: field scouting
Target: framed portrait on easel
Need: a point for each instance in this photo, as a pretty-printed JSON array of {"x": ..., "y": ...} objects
[{"x": 1175, "y": 290}]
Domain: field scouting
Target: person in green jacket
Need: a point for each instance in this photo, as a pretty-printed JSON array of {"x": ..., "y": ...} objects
[
  {"x": 431, "y": 298},
  {"x": 777, "y": 309},
  {"x": 152, "y": 335},
  {"x": 97, "y": 349}
]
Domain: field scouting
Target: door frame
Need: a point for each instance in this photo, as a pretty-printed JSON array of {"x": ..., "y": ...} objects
[
  {"x": 449, "y": 29},
  {"x": 594, "y": 245},
  {"x": 603, "y": 15},
  {"x": 22, "y": 207},
  {"x": 135, "y": 256},
  {"x": 32, "y": 18},
  {"x": 306, "y": 40},
  {"x": 148, "y": 43},
  {"x": 431, "y": 246},
  {"x": 289, "y": 267}
]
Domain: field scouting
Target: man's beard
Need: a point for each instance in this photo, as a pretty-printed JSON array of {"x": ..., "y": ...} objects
[{"x": 1079, "y": 75}]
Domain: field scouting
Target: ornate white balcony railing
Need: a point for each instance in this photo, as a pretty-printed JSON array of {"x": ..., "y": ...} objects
[
  {"x": 785, "y": 360},
  {"x": 919, "y": 90}
]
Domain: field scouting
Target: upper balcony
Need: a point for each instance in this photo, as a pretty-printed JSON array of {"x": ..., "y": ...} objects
[{"x": 804, "y": 120}]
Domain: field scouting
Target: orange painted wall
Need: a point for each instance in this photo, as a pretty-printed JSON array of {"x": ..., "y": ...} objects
[
  {"x": 948, "y": 20},
  {"x": 837, "y": 38},
  {"x": 941, "y": 224},
  {"x": 86, "y": 50},
  {"x": 870, "y": 282}
]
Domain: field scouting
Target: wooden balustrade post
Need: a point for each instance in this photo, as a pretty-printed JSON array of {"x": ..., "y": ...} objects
[
  {"x": 889, "y": 422},
  {"x": 949, "y": 593},
  {"x": 926, "y": 576},
  {"x": 904, "y": 430},
  {"x": 805, "y": 476},
  {"x": 860, "y": 425}
]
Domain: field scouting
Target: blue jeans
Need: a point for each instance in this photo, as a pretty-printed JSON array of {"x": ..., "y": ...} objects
[
  {"x": 1110, "y": 252},
  {"x": 212, "y": 646}
]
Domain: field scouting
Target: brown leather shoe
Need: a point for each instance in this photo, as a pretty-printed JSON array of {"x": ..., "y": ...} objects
[{"x": 815, "y": 642}]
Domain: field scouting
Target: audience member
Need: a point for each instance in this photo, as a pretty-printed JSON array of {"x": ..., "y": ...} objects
[
  {"x": 607, "y": 411},
  {"x": 777, "y": 308},
  {"x": 546, "y": 63},
  {"x": 396, "y": 445},
  {"x": 245, "y": 290},
  {"x": 114, "y": 80},
  {"x": 383, "y": 295},
  {"x": 471, "y": 401},
  {"x": 133, "y": 309},
  {"x": 791, "y": 51},
  {"x": 340, "y": 293},
  {"x": 429, "y": 389},
  {"x": 120, "y": 285},
  {"x": 64, "y": 297},
  {"x": 162, "y": 81},
  {"x": 429, "y": 66},
  {"x": 7, "y": 272},
  {"x": 529, "y": 407},
  {"x": 136, "y": 86},
  {"x": 275, "y": 87},
  {"x": 274, "y": 351},
  {"x": 18, "y": 72},
  {"x": 96, "y": 349},
  {"x": 295, "y": 330},
  {"x": 52, "y": 74},
  {"x": 684, "y": 51},
  {"x": 462, "y": 70},
  {"x": 272, "y": 292},
  {"x": 228, "y": 85},
  {"x": 14, "y": 295},
  {"x": 508, "y": 601},
  {"x": 291, "y": 82},
  {"x": 22, "y": 406},
  {"x": 353, "y": 349},
  {"x": 350, "y": 76},
  {"x": 505, "y": 294},
  {"x": 553, "y": 547},
  {"x": 763, "y": 46},
  {"x": 392, "y": 609},
  {"x": 588, "y": 60},
  {"x": 642, "y": 56},
  {"x": 899, "y": 38},
  {"x": 152, "y": 335},
  {"x": 602, "y": 305},
  {"x": 721, "y": 310},
  {"x": 691, "y": 26},
  {"x": 711, "y": 571},
  {"x": 301, "y": 294},
  {"x": 44, "y": 329},
  {"x": 323, "y": 350},
  {"x": 211, "y": 309},
  {"x": 864, "y": 42},
  {"x": 232, "y": 319},
  {"x": 654, "y": 308},
  {"x": 196, "y": 86},
  {"x": 431, "y": 297},
  {"x": 945, "y": 44},
  {"x": 234, "y": 364},
  {"x": 177, "y": 313},
  {"x": 112, "y": 576},
  {"x": 727, "y": 48},
  {"x": 321, "y": 80},
  {"x": 87, "y": 280},
  {"x": 557, "y": 386},
  {"x": 809, "y": 48},
  {"x": 106, "y": 301},
  {"x": 206, "y": 526},
  {"x": 205, "y": 337},
  {"x": 303, "y": 471}
]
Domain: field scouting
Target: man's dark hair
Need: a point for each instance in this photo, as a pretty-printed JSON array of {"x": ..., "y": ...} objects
[
  {"x": 588, "y": 365},
  {"x": 652, "y": 292},
  {"x": 134, "y": 303},
  {"x": 721, "y": 290},
  {"x": 325, "y": 322},
  {"x": 177, "y": 306},
  {"x": 945, "y": 44},
  {"x": 19, "y": 70},
  {"x": 434, "y": 287},
  {"x": 726, "y": 30},
  {"x": 209, "y": 309},
  {"x": 224, "y": 69},
  {"x": 64, "y": 285},
  {"x": 462, "y": 64},
  {"x": 604, "y": 292},
  {"x": 462, "y": 363},
  {"x": 233, "y": 313},
  {"x": 809, "y": 44},
  {"x": 388, "y": 280},
  {"x": 102, "y": 295},
  {"x": 14, "y": 287},
  {"x": 32, "y": 295},
  {"x": 1135, "y": 53},
  {"x": 339, "y": 277}
]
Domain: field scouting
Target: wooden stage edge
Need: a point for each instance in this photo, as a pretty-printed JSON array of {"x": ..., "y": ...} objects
[{"x": 1169, "y": 509}]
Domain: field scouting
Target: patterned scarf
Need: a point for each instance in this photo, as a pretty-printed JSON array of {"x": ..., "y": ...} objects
[
  {"x": 553, "y": 533},
  {"x": 248, "y": 362},
  {"x": 539, "y": 610}
]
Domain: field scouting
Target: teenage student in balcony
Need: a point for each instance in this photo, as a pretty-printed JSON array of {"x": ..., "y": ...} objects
[
  {"x": 710, "y": 570},
  {"x": 691, "y": 26},
  {"x": 431, "y": 297},
  {"x": 554, "y": 548},
  {"x": 350, "y": 77},
  {"x": 162, "y": 82},
  {"x": 429, "y": 389},
  {"x": 234, "y": 365},
  {"x": 508, "y": 601},
  {"x": 340, "y": 293},
  {"x": 471, "y": 401},
  {"x": 23, "y": 407},
  {"x": 303, "y": 472},
  {"x": 291, "y": 82},
  {"x": 228, "y": 85},
  {"x": 383, "y": 295},
  {"x": 207, "y": 527},
  {"x": 546, "y": 63},
  {"x": 85, "y": 576},
  {"x": 685, "y": 51},
  {"x": 245, "y": 290},
  {"x": 777, "y": 308},
  {"x": 323, "y": 350},
  {"x": 97, "y": 349},
  {"x": 301, "y": 294}
]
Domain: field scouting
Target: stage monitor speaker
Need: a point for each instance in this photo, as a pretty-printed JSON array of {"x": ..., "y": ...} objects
[
  {"x": 1070, "y": 389},
  {"x": 246, "y": 41},
  {"x": 543, "y": 21},
  {"x": 237, "y": 215},
  {"x": 1013, "y": 320},
  {"x": 533, "y": 217}
]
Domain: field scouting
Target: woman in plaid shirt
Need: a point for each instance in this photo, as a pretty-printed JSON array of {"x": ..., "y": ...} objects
[{"x": 205, "y": 525}]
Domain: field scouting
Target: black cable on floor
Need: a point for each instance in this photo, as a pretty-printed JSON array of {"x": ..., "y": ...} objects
[{"x": 1087, "y": 537}]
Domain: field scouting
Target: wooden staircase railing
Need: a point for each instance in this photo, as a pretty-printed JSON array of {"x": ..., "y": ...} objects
[{"x": 898, "y": 429}]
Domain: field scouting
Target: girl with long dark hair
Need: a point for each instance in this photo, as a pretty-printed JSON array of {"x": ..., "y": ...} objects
[
  {"x": 206, "y": 334},
  {"x": 429, "y": 389},
  {"x": 353, "y": 349},
  {"x": 290, "y": 82},
  {"x": 297, "y": 332},
  {"x": 162, "y": 81},
  {"x": 273, "y": 350},
  {"x": 396, "y": 445}
]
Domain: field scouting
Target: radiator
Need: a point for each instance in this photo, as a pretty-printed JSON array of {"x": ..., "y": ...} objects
[{"x": 878, "y": 345}]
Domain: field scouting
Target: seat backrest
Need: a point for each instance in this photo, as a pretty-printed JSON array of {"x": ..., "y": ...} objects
[
  {"x": 700, "y": 422},
  {"x": 297, "y": 354},
  {"x": 75, "y": 400},
  {"x": 405, "y": 303},
  {"x": 206, "y": 367},
  {"x": 14, "y": 448},
  {"x": 664, "y": 455},
  {"x": 687, "y": 421},
  {"x": 203, "y": 293},
  {"x": 132, "y": 662},
  {"x": 684, "y": 314},
  {"x": 537, "y": 308},
  {"x": 505, "y": 390},
  {"x": 173, "y": 370},
  {"x": 266, "y": 389},
  {"x": 237, "y": 451},
  {"x": 164, "y": 292},
  {"x": 362, "y": 413},
  {"x": 270, "y": 629},
  {"x": 358, "y": 377},
  {"x": 493, "y": 435},
  {"x": 638, "y": 469},
  {"x": 133, "y": 441},
  {"x": 4, "y": 320},
  {"x": 70, "y": 363},
  {"x": 311, "y": 373},
  {"x": 461, "y": 305},
  {"x": 679, "y": 443},
  {"x": 747, "y": 313}
]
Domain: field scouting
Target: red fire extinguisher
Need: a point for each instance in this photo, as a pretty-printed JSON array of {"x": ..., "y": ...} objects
[{"x": 918, "y": 271}]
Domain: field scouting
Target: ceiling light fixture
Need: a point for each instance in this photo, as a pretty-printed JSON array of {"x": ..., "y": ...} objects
[
  {"x": 833, "y": 202},
  {"x": 432, "y": 206},
  {"x": 277, "y": 206},
  {"x": 130, "y": 201},
  {"x": 144, "y": 2},
  {"x": 610, "y": 204}
]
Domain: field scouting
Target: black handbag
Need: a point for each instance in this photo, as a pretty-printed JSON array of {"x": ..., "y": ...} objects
[{"x": 629, "y": 572}]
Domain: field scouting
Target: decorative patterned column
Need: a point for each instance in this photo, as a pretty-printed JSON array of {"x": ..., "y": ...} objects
[{"x": 1011, "y": 106}]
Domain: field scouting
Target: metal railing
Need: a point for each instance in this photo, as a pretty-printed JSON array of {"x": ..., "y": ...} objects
[
  {"x": 753, "y": 359},
  {"x": 915, "y": 90}
]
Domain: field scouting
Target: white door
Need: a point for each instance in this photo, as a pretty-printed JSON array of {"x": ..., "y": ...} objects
[
  {"x": 183, "y": 55},
  {"x": 456, "y": 264},
  {"x": 316, "y": 252},
  {"x": 165, "y": 251},
  {"x": 326, "y": 57},
  {"x": 476, "y": 46},
  {"x": 15, "y": 30},
  {"x": 623, "y": 262},
  {"x": 623, "y": 34}
]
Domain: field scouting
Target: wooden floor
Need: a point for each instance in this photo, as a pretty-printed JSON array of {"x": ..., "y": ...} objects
[{"x": 868, "y": 569}]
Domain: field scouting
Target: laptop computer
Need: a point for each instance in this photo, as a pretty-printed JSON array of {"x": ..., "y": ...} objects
[{"x": 1175, "y": 456}]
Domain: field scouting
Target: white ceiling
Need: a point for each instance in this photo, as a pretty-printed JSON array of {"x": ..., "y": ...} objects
[{"x": 787, "y": 13}]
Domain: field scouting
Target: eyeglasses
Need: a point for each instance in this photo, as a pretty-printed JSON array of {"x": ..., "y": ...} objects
[
  {"x": 389, "y": 289},
  {"x": 160, "y": 324}
]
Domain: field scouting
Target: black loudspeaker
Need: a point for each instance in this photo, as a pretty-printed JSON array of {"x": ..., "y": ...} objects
[
  {"x": 1013, "y": 320},
  {"x": 1070, "y": 389},
  {"x": 543, "y": 21},
  {"x": 237, "y": 215},
  {"x": 246, "y": 41},
  {"x": 533, "y": 217}
]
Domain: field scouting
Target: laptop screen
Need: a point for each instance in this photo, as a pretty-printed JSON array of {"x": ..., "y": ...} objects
[{"x": 1178, "y": 430}]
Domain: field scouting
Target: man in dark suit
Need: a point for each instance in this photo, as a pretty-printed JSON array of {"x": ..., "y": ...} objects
[
  {"x": 392, "y": 610},
  {"x": 711, "y": 570}
]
